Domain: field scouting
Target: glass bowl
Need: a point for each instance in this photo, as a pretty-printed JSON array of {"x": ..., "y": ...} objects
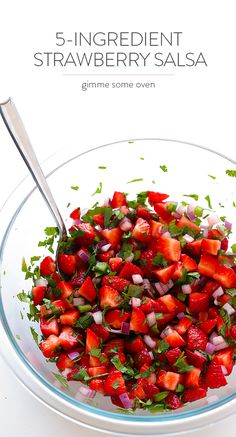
[{"x": 188, "y": 170}]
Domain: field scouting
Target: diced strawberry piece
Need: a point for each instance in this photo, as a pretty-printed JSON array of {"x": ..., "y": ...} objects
[
  {"x": 169, "y": 248},
  {"x": 183, "y": 325},
  {"x": 75, "y": 214},
  {"x": 88, "y": 290},
  {"x": 225, "y": 276},
  {"x": 47, "y": 266},
  {"x": 210, "y": 246},
  {"x": 97, "y": 384},
  {"x": 69, "y": 317},
  {"x": 134, "y": 345},
  {"x": 193, "y": 394},
  {"x": 118, "y": 200},
  {"x": 192, "y": 377},
  {"x": 207, "y": 265},
  {"x": 198, "y": 302},
  {"x": 109, "y": 296},
  {"x": 148, "y": 305},
  {"x": 208, "y": 325},
  {"x": 38, "y": 294},
  {"x": 215, "y": 234},
  {"x": 92, "y": 341},
  {"x": 49, "y": 327},
  {"x": 115, "y": 318},
  {"x": 210, "y": 287},
  {"x": 173, "y": 401},
  {"x": 67, "y": 339},
  {"x": 194, "y": 248},
  {"x": 165, "y": 274},
  {"x": 225, "y": 358},
  {"x": 114, "y": 385},
  {"x": 168, "y": 380},
  {"x": 173, "y": 354},
  {"x": 163, "y": 320},
  {"x": 226, "y": 260},
  {"x": 138, "y": 391},
  {"x": 156, "y": 228},
  {"x": 214, "y": 377},
  {"x": 146, "y": 259},
  {"x": 86, "y": 234},
  {"x": 195, "y": 359},
  {"x": 64, "y": 362},
  {"x": 57, "y": 307},
  {"x": 97, "y": 371},
  {"x": 174, "y": 339},
  {"x": 115, "y": 282},
  {"x": 101, "y": 332},
  {"x": 138, "y": 321},
  {"x": 130, "y": 269},
  {"x": 141, "y": 231},
  {"x": 78, "y": 280},
  {"x": 196, "y": 338},
  {"x": 171, "y": 304},
  {"x": 51, "y": 346},
  {"x": 65, "y": 288},
  {"x": 115, "y": 264},
  {"x": 142, "y": 358},
  {"x": 98, "y": 219},
  {"x": 114, "y": 346},
  {"x": 66, "y": 264},
  {"x": 184, "y": 222},
  {"x": 154, "y": 197},
  {"x": 178, "y": 272},
  {"x": 162, "y": 210},
  {"x": 189, "y": 264},
  {"x": 113, "y": 236},
  {"x": 143, "y": 213},
  {"x": 150, "y": 389},
  {"x": 224, "y": 244},
  {"x": 106, "y": 256},
  {"x": 233, "y": 331}
]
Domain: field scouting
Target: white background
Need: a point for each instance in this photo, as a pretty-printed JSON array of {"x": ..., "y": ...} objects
[{"x": 192, "y": 105}]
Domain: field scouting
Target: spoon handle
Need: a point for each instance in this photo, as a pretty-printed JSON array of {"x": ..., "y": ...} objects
[{"x": 19, "y": 135}]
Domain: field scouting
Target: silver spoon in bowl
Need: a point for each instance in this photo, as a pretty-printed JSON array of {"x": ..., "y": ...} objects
[{"x": 19, "y": 135}]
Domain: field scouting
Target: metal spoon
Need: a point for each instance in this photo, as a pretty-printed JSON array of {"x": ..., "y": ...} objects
[{"x": 19, "y": 135}]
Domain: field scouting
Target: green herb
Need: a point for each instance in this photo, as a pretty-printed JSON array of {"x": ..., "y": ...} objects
[
  {"x": 75, "y": 187},
  {"x": 231, "y": 173},
  {"x": 163, "y": 168},
  {"x": 124, "y": 410},
  {"x": 116, "y": 384},
  {"x": 181, "y": 296},
  {"x": 24, "y": 267},
  {"x": 153, "y": 182},
  {"x": 24, "y": 297},
  {"x": 33, "y": 313},
  {"x": 227, "y": 321},
  {"x": 193, "y": 196},
  {"x": 34, "y": 335},
  {"x": 21, "y": 315},
  {"x": 159, "y": 260},
  {"x": 51, "y": 233},
  {"x": 207, "y": 198},
  {"x": 121, "y": 367},
  {"x": 157, "y": 408},
  {"x": 162, "y": 347},
  {"x": 181, "y": 365},
  {"x": 231, "y": 291},
  {"x": 135, "y": 180},
  {"x": 160, "y": 396},
  {"x": 68, "y": 204},
  {"x": 198, "y": 211},
  {"x": 51, "y": 307},
  {"x": 179, "y": 388},
  {"x": 98, "y": 190},
  {"x": 142, "y": 159},
  {"x": 134, "y": 291},
  {"x": 171, "y": 207},
  {"x": 34, "y": 258},
  {"x": 102, "y": 167},
  {"x": 81, "y": 375},
  {"x": 233, "y": 247},
  {"x": 95, "y": 352},
  {"x": 18, "y": 337},
  {"x": 84, "y": 321},
  {"x": 234, "y": 204},
  {"x": 174, "y": 230},
  {"x": 84, "y": 308},
  {"x": 211, "y": 176},
  {"x": 101, "y": 268},
  {"x": 126, "y": 250},
  {"x": 130, "y": 142},
  {"x": 61, "y": 379}
]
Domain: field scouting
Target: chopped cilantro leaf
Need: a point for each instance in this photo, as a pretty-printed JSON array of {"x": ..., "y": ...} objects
[
  {"x": 18, "y": 337},
  {"x": 141, "y": 158},
  {"x": 121, "y": 367},
  {"x": 231, "y": 291},
  {"x": 33, "y": 313},
  {"x": 174, "y": 230},
  {"x": 163, "y": 168},
  {"x": 207, "y": 198},
  {"x": 162, "y": 346},
  {"x": 130, "y": 142},
  {"x": 102, "y": 167},
  {"x": 231, "y": 173},
  {"x": 211, "y": 176},
  {"x": 179, "y": 388},
  {"x": 181, "y": 365},
  {"x": 98, "y": 190},
  {"x": 34, "y": 335},
  {"x": 159, "y": 260},
  {"x": 234, "y": 204},
  {"x": 68, "y": 204},
  {"x": 233, "y": 247},
  {"x": 61, "y": 379},
  {"x": 126, "y": 250},
  {"x": 24, "y": 267},
  {"x": 160, "y": 396},
  {"x": 227, "y": 321},
  {"x": 115, "y": 385},
  {"x": 84, "y": 321},
  {"x": 135, "y": 180},
  {"x": 193, "y": 196},
  {"x": 34, "y": 258},
  {"x": 24, "y": 297},
  {"x": 51, "y": 230},
  {"x": 75, "y": 187}
]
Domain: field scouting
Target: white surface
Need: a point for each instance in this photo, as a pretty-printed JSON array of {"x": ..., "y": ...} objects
[{"x": 193, "y": 106}]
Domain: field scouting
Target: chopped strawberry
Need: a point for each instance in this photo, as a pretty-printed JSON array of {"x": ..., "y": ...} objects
[
  {"x": 148, "y": 305},
  {"x": 75, "y": 214},
  {"x": 67, "y": 339},
  {"x": 118, "y": 200},
  {"x": 138, "y": 321},
  {"x": 64, "y": 362},
  {"x": 69, "y": 317},
  {"x": 196, "y": 338},
  {"x": 210, "y": 246},
  {"x": 196, "y": 359},
  {"x": 101, "y": 332},
  {"x": 170, "y": 304},
  {"x": 162, "y": 210},
  {"x": 92, "y": 341},
  {"x": 115, "y": 282},
  {"x": 169, "y": 248},
  {"x": 194, "y": 248},
  {"x": 97, "y": 371},
  {"x": 88, "y": 290},
  {"x": 168, "y": 380},
  {"x": 115, "y": 318},
  {"x": 214, "y": 377},
  {"x": 47, "y": 266},
  {"x": 184, "y": 222},
  {"x": 193, "y": 394},
  {"x": 173, "y": 354},
  {"x": 130, "y": 269},
  {"x": 178, "y": 271},
  {"x": 143, "y": 213},
  {"x": 114, "y": 385},
  {"x": 85, "y": 234},
  {"x": 189, "y": 264},
  {"x": 106, "y": 256},
  {"x": 138, "y": 391},
  {"x": 134, "y": 344},
  {"x": 65, "y": 288},
  {"x": 198, "y": 302},
  {"x": 97, "y": 384},
  {"x": 156, "y": 228},
  {"x": 114, "y": 346},
  {"x": 77, "y": 280},
  {"x": 141, "y": 231},
  {"x": 208, "y": 325},
  {"x": 109, "y": 296},
  {"x": 38, "y": 294},
  {"x": 113, "y": 236},
  {"x": 142, "y": 357},
  {"x": 115, "y": 264},
  {"x": 98, "y": 219},
  {"x": 66, "y": 264},
  {"x": 233, "y": 331},
  {"x": 173, "y": 401},
  {"x": 192, "y": 377},
  {"x": 165, "y": 274},
  {"x": 174, "y": 339},
  {"x": 146, "y": 259},
  {"x": 225, "y": 276},
  {"x": 154, "y": 197},
  {"x": 207, "y": 265},
  {"x": 49, "y": 326},
  {"x": 51, "y": 346},
  {"x": 183, "y": 325},
  {"x": 225, "y": 358},
  {"x": 56, "y": 308},
  {"x": 150, "y": 389},
  {"x": 210, "y": 287}
]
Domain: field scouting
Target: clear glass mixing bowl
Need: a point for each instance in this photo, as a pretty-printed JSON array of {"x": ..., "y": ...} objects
[{"x": 23, "y": 219}]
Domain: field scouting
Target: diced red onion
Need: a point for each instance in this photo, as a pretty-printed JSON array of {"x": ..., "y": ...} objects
[
  {"x": 135, "y": 302},
  {"x": 166, "y": 234},
  {"x": 151, "y": 318},
  {"x": 98, "y": 227},
  {"x": 87, "y": 392},
  {"x": 188, "y": 238},
  {"x": 180, "y": 210},
  {"x": 83, "y": 255},
  {"x": 190, "y": 212},
  {"x": 218, "y": 340},
  {"x": 218, "y": 292},
  {"x": 224, "y": 370},
  {"x": 97, "y": 317},
  {"x": 73, "y": 355},
  {"x": 202, "y": 281},
  {"x": 204, "y": 225},
  {"x": 180, "y": 316},
  {"x": 168, "y": 330},
  {"x": 186, "y": 288},
  {"x": 107, "y": 201},
  {"x": 216, "y": 302},
  {"x": 100, "y": 244},
  {"x": 114, "y": 331},
  {"x": 205, "y": 233},
  {"x": 212, "y": 336},
  {"x": 125, "y": 328},
  {"x": 125, "y": 224},
  {"x": 41, "y": 282},
  {"x": 106, "y": 247},
  {"x": 126, "y": 401},
  {"x": 130, "y": 258},
  {"x": 65, "y": 372},
  {"x": 228, "y": 225},
  {"x": 151, "y": 355},
  {"x": 146, "y": 284},
  {"x": 210, "y": 348},
  {"x": 163, "y": 288},
  {"x": 221, "y": 346},
  {"x": 137, "y": 279},
  {"x": 150, "y": 293},
  {"x": 227, "y": 307},
  {"x": 124, "y": 209},
  {"x": 149, "y": 341},
  {"x": 213, "y": 219},
  {"x": 77, "y": 301}
]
